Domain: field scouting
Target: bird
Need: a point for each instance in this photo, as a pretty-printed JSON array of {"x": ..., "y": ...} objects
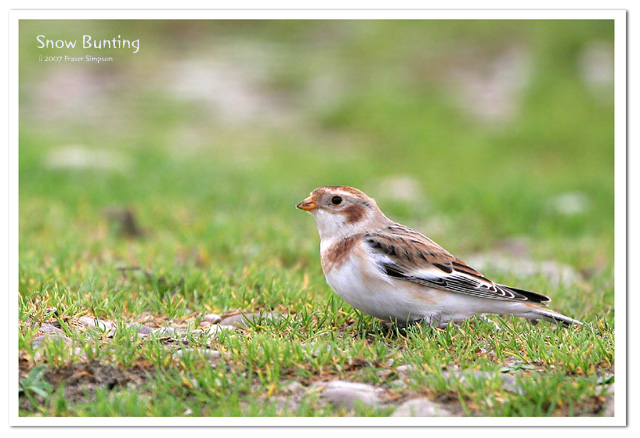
[{"x": 396, "y": 274}]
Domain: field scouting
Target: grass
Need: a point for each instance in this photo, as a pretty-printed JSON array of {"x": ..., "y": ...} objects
[{"x": 215, "y": 202}]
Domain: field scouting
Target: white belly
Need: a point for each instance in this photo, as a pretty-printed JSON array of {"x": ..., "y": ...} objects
[
  {"x": 367, "y": 290},
  {"x": 359, "y": 282}
]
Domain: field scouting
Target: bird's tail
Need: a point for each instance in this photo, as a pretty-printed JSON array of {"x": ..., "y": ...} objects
[{"x": 552, "y": 316}]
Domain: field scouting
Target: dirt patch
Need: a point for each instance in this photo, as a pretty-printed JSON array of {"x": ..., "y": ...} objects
[{"x": 81, "y": 379}]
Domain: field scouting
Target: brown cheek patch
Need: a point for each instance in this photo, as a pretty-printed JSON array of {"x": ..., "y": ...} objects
[
  {"x": 354, "y": 213},
  {"x": 338, "y": 253}
]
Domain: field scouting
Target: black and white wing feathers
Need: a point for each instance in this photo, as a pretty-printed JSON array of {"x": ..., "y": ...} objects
[{"x": 405, "y": 254}]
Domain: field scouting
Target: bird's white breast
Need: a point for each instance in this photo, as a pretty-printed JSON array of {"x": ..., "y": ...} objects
[{"x": 359, "y": 282}]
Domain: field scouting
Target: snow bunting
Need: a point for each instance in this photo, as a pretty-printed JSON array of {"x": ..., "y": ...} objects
[{"x": 391, "y": 272}]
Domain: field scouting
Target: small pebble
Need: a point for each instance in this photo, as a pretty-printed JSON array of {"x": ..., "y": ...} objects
[
  {"x": 48, "y": 328},
  {"x": 38, "y": 341},
  {"x": 606, "y": 389},
  {"x": 398, "y": 384},
  {"x": 165, "y": 331},
  {"x": 212, "y": 331},
  {"x": 242, "y": 321},
  {"x": 294, "y": 386},
  {"x": 208, "y": 354},
  {"x": 509, "y": 382},
  {"x": 94, "y": 322},
  {"x": 212, "y": 318},
  {"x": 403, "y": 369},
  {"x": 348, "y": 394},
  {"x": 141, "y": 328},
  {"x": 420, "y": 407},
  {"x": 609, "y": 407},
  {"x": 91, "y": 322}
]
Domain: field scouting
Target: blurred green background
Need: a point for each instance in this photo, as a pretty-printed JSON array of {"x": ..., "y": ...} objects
[{"x": 474, "y": 132}]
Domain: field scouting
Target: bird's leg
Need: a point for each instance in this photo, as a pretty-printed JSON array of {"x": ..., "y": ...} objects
[
  {"x": 379, "y": 328},
  {"x": 407, "y": 324},
  {"x": 402, "y": 327},
  {"x": 386, "y": 327},
  {"x": 435, "y": 321}
]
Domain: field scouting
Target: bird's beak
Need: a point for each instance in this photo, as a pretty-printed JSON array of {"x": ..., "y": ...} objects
[{"x": 307, "y": 205}]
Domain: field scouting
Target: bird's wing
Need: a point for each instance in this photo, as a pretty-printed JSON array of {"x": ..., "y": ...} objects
[{"x": 405, "y": 254}]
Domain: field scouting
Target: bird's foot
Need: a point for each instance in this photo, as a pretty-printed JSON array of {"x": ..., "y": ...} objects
[
  {"x": 405, "y": 325},
  {"x": 401, "y": 328},
  {"x": 378, "y": 329}
]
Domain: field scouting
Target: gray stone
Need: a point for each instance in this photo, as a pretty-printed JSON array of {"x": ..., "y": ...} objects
[
  {"x": 398, "y": 384},
  {"x": 88, "y": 321},
  {"x": 104, "y": 326},
  {"x": 285, "y": 404},
  {"x": 404, "y": 369},
  {"x": 420, "y": 407},
  {"x": 243, "y": 321},
  {"x": 38, "y": 341},
  {"x": 141, "y": 329},
  {"x": 509, "y": 382},
  {"x": 48, "y": 328},
  {"x": 292, "y": 387},
  {"x": 212, "y": 318},
  {"x": 165, "y": 331},
  {"x": 606, "y": 389},
  {"x": 206, "y": 353},
  {"x": 348, "y": 394},
  {"x": 609, "y": 407},
  {"x": 212, "y": 331}
]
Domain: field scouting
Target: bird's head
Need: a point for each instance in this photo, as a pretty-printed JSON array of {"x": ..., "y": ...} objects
[{"x": 341, "y": 211}]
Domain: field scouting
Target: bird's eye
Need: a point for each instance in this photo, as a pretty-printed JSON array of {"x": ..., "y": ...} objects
[{"x": 336, "y": 200}]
